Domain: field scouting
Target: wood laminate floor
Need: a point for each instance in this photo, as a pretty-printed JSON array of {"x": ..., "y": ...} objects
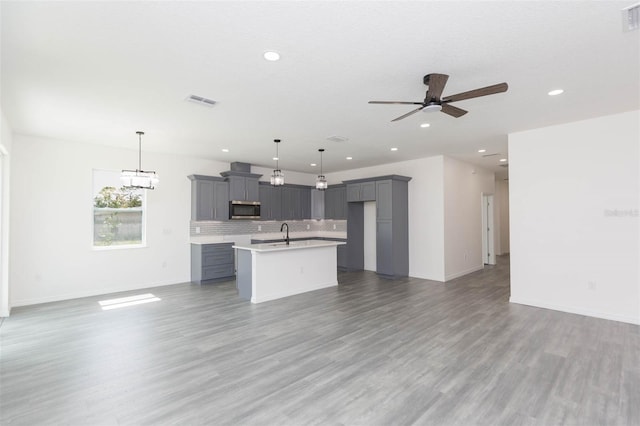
[{"x": 369, "y": 352}]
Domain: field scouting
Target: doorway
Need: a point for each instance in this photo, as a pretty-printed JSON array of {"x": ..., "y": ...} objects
[{"x": 488, "y": 247}]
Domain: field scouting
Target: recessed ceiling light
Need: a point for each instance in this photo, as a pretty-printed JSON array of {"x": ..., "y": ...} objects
[
  {"x": 502, "y": 160},
  {"x": 271, "y": 56},
  {"x": 394, "y": 149},
  {"x": 225, "y": 150},
  {"x": 313, "y": 164},
  {"x": 425, "y": 125},
  {"x": 482, "y": 150},
  {"x": 275, "y": 158},
  {"x": 349, "y": 158},
  {"x": 556, "y": 92}
]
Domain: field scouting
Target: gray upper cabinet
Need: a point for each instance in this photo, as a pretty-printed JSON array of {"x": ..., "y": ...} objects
[
  {"x": 305, "y": 203},
  {"x": 317, "y": 204},
  {"x": 335, "y": 202},
  {"x": 242, "y": 186},
  {"x": 209, "y": 198},
  {"x": 270, "y": 202},
  {"x": 364, "y": 191},
  {"x": 290, "y": 203}
]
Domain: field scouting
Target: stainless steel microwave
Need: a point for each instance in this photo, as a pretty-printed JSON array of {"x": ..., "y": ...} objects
[{"x": 244, "y": 209}]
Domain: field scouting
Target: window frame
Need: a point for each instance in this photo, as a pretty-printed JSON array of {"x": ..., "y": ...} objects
[{"x": 142, "y": 209}]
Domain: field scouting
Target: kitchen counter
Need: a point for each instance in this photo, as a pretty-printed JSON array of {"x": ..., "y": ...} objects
[
  {"x": 293, "y": 245},
  {"x": 274, "y": 270}
]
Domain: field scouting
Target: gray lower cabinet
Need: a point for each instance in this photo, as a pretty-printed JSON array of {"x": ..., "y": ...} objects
[
  {"x": 209, "y": 198},
  {"x": 212, "y": 262},
  {"x": 342, "y": 257}
]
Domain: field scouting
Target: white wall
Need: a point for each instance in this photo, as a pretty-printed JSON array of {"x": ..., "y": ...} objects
[
  {"x": 464, "y": 185},
  {"x": 51, "y": 222},
  {"x": 574, "y": 200},
  {"x": 426, "y": 210},
  {"x": 6, "y": 142},
  {"x": 501, "y": 235}
]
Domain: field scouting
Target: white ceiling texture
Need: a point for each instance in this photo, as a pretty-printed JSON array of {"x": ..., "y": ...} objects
[{"x": 95, "y": 72}]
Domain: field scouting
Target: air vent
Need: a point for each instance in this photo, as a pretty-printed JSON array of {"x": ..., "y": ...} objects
[
  {"x": 201, "y": 101},
  {"x": 337, "y": 139},
  {"x": 491, "y": 155},
  {"x": 503, "y": 165},
  {"x": 631, "y": 18}
]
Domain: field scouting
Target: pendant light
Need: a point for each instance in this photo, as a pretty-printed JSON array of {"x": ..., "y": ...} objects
[
  {"x": 138, "y": 178},
  {"x": 321, "y": 181},
  {"x": 277, "y": 178}
]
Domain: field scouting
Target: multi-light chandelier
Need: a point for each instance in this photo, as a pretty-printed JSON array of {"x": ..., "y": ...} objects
[
  {"x": 139, "y": 178},
  {"x": 277, "y": 178}
]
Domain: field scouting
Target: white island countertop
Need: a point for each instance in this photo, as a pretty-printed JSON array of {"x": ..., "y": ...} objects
[{"x": 293, "y": 245}]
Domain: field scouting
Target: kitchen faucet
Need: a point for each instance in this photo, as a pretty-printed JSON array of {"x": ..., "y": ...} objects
[{"x": 286, "y": 239}]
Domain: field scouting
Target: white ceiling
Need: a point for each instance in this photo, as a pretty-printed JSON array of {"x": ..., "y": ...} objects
[{"x": 96, "y": 72}]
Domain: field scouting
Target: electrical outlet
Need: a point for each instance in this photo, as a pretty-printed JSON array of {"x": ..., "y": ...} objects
[
  {"x": 334, "y": 226},
  {"x": 259, "y": 227},
  {"x": 308, "y": 227},
  {"x": 197, "y": 229}
]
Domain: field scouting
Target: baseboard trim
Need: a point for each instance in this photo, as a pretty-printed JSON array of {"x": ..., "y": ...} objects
[
  {"x": 575, "y": 310},
  {"x": 462, "y": 273}
]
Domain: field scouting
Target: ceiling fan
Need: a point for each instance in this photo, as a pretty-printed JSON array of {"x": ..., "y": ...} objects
[{"x": 433, "y": 101}]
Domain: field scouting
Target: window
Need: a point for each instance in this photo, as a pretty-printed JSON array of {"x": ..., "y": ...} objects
[{"x": 118, "y": 212}]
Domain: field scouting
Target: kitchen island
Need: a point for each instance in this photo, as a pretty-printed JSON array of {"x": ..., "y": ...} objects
[{"x": 274, "y": 270}]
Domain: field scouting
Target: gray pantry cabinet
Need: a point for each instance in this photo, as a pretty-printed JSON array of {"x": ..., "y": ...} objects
[
  {"x": 212, "y": 262},
  {"x": 392, "y": 225},
  {"x": 242, "y": 186},
  {"x": 209, "y": 198}
]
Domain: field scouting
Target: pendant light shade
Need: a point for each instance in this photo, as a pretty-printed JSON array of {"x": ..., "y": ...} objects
[
  {"x": 139, "y": 178},
  {"x": 277, "y": 177},
  {"x": 321, "y": 181}
]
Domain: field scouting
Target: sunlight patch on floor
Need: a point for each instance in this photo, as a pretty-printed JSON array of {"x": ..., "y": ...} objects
[{"x": 121, "y": 302}]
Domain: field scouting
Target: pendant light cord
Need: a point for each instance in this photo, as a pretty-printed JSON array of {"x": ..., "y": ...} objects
[{"x": 140, "y": 150}]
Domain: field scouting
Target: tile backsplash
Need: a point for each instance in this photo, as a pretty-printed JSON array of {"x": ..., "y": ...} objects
[{"x": 239, "y": 227}]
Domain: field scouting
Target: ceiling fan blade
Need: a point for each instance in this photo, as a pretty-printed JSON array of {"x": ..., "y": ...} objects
[
  {"x": 394, "y": 102},
  {"x": 436, "y": 83},
  {"x": 408, "y": 114},
  {"x": 453, "y": 111},
  {"x": 489, "y": 90}
]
